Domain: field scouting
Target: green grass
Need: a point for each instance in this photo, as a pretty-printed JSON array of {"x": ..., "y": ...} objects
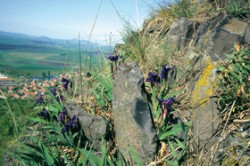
[
  {"x": 23, "y": 62},
  {"x": 20, "y": 110}
]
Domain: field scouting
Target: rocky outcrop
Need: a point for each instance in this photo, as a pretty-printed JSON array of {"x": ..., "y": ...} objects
[
  {"x": 206, "y": 119},
  {"x": 94, "y": 127},
  {"x": 211, "y": 41},
  {"x": 218, "y": 36},
  {"x": 200, "y": 47},
  {"x": 180, "y": 34},
  {"x": 234, "y": 150},
  {"x": 133, "y": 124}
]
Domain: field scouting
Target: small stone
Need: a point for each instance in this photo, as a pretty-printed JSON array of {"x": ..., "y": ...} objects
[{"x": 94, "y": 127}]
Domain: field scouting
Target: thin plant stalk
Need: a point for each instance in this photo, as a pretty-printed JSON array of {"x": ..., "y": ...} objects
[
  {"x": 80, "y": 65},
  {"x": 92, "y": 29}
]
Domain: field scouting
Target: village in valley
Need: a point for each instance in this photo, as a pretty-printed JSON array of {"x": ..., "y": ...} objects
[{"x": 29, "y": 88}]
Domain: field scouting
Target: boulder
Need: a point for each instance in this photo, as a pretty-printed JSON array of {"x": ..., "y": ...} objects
[
  {"x": 234, "y": 149},
  {"x": 180, "y": 33},
  {"x": 94, "y": 127},
  {"x": 247, "y": 35},
  {"x": 133, "y": 123},
  {"x": 211, "y": 42},
  {"x": 206, "y": 119},
  {"x": 218, "y": 36}
]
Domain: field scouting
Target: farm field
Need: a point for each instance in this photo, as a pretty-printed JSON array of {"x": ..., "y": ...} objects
[{"x": 22, "y": 55}]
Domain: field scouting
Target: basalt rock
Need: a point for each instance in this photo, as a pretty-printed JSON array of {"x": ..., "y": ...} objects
[
  {"x": 133, "y": 124},
  {"x": 234, "y": 149},
  {"x": 94, "y": 127},
  {"x": 212, "y": 40},
  {"x": 180, "y": 33},
  {"x": 218, "y": 36}
]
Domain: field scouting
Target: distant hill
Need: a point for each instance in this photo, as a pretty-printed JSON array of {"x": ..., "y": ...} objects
[
  {"x": 24, "y": 55},
  {"x": 15, "y": 40}
]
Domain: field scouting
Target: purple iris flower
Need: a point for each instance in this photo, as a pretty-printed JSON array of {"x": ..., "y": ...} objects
[
  {"x": 62, "y": 115},
  {"x": 71, "y": 124},
  {"x": 113, "y": 58},
  {"x": 166, "y": 105},
  {"x": 153, "y": 78},
  {"x": 66, "y": 82},
  {"x": 39, "y": 100},
  {"x": 64, "y": 129},
  {"x": 53, "y": 90},
  {"x": 73, "y": 121},
  {"x": 59, "y": 98},
  {"x": 44, "y": 113},
  {"x": 165, "y": 71}
]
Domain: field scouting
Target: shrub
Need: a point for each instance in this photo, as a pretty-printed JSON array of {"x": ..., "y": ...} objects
[{"x": 234, "y": 81}]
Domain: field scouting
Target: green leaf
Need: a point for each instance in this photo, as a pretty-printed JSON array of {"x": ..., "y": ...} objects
[
  {"x": 53, "y": 109},
  {"x": 172, "y": 149},
  {"x": 55, "y": 102},
  {"x": 37, "y": 120},
  {"x": 172, "y": 163},
  {"x": 16, "y": 156},
  {"x": 30, "y": 148},
  {"x": 104, "y": 157},
  {"x": 120, "y": 160},
  {"x": 180, "y": 144},
  {"x": 47, "y": 156},
  {"x": 176, "y": 129},
  {"x": 135, "y": 156},
  {"x": 180, "y": 127},
  {"x": 220, "y": 68}
]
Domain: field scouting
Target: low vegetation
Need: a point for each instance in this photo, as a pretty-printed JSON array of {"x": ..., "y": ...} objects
[
  {"x": 56, "y": 139},
  {"x": 234, "y": 84}
]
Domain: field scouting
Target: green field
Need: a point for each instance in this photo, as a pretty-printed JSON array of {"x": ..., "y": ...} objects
[
  {"x": 32, "y": 56},
  {"x": 23, "y": 62}
]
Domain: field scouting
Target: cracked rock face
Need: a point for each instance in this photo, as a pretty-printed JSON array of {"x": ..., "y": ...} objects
[
  {"x": 218, "y": 36},
  {"x": 134, "y": 127},
  {"x": 180, "y": 34}
]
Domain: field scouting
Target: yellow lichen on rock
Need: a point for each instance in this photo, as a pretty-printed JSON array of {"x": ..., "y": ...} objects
[{"x": 204, "y": 87}]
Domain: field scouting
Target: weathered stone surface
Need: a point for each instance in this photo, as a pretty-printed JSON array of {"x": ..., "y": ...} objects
[
  {"x": 206, "y": 115},
  {"x": 234, "y": 149},
  {"x": 133, "y": 123},
  {"x": 218, "y": 36},
  {"x": 180, "y": 33},
  {"x": 94, "y": 127},
  {"x": 211, "y": 41},
  {"x": 247, "y": 35},
  {"x": 235, "y": 26}
]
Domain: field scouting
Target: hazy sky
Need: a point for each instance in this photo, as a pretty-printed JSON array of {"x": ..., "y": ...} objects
[{"x": 64, "y": 19}]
